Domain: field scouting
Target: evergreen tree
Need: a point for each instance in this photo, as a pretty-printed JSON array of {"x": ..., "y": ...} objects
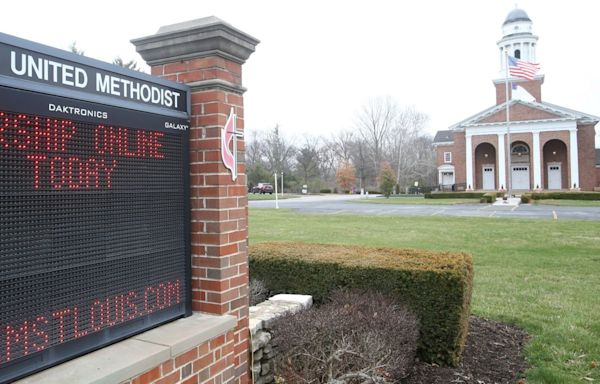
[{"x": 387, "y": 179}]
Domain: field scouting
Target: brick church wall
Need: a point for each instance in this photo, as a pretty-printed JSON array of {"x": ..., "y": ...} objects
[
  {"x": 563, "y": 158},
  {"x": 519, "y": 112},
  {"x": 479, "y": 158},
  {"x": 459, "y": 158},
  {"x": 534, "y": 88},
  {"x": 587, "y": 157}
]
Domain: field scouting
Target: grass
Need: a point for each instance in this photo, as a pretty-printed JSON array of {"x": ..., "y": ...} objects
[
  {"x": 541, "y": 275},
  {"x": 416, "y": 200},
  {"x": 257, "y": 196},
  {"x": 575, "y": 203}
]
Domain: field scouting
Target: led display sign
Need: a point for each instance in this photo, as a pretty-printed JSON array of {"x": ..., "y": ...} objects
[{"x": 94, "y": 202}]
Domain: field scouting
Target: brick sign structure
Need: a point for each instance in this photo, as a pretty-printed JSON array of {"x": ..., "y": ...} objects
[
  {"x": 207, "y": 55},
  {"x": 118, "y": 214}
]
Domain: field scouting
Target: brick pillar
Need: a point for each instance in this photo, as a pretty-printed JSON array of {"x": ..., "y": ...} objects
[{"x": 207, "y": 54}]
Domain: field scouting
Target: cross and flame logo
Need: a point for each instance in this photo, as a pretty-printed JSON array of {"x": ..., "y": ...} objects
[{"x": 229, "y": 136}]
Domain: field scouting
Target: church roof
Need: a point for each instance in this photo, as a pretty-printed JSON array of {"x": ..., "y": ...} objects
[
  {"x": 559, "y": 113},
  {"x": 516, "y": 14},
  {"x": 446, "y": 136}
]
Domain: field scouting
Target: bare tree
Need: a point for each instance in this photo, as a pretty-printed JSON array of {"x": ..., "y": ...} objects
[
  {"x": 73, "y": 48},
  {"x": 375, "y": 122},
  {"x": 256, "y": 169},
  {"x": 343, "y": 144},
  {"x": 131, "y": 64},
  {"x": 254, "y": 148},
  {"x": 408, "y": 128},
  {"x": 307, "y": 159},
  {"x": 361, "y": 159},
  {"x": 277, "y": 151},
  {"x": 327, "y": 161}
]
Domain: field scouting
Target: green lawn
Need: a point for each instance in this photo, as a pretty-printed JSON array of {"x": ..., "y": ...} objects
[
  {"x": 542, "y": 275},
  {"x": 576, "y": 203},
  {"x": 257, "y": 196},
  {"x": 416, "y": 200}
]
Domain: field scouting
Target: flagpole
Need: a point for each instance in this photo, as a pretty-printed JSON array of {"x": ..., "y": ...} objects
[{"x": 508, "y": 149}]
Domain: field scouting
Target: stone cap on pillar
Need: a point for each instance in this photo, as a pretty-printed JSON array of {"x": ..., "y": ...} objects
[{"x": 208, "y": 36}]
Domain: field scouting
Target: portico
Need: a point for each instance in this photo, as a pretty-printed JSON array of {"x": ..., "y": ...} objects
[{"x": 526, "y": 154}]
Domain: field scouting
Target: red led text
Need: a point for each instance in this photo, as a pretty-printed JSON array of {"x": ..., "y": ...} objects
[
  {"x": 55, "y": 147},
  {"x": 65, "y": 324}
]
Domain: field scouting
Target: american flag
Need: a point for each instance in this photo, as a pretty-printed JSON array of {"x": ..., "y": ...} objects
[{"x": 522, "y": 69}]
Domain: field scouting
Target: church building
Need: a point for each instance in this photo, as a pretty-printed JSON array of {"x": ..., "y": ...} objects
[{"x": 551, "y": 147}]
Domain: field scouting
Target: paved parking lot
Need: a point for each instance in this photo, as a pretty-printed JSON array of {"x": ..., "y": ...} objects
[{"x": 342, "y": 204}]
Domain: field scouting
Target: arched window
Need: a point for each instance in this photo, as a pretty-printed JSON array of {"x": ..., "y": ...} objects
[
  {"x": 517, "y": 53},
  {"x": 520, "y": 150}
]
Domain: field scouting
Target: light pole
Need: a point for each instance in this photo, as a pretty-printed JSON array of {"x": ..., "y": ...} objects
[
  {"x": 282, "y": 182},
  {"x": 276, "y": 199}
]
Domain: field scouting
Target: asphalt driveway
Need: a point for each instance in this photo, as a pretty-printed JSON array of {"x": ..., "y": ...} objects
[{"x": 347, "y": 204}]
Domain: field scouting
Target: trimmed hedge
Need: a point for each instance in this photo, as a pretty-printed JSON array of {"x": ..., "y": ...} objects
[
  {"x": 565, "y": 196},
  {"x": 437, "y": 286},
  {"x": 526, "y": 198},
  {"x": 490, "y": 197},
  {"x": 454, "y": 195},
  {"x": 325, "y": 190}
]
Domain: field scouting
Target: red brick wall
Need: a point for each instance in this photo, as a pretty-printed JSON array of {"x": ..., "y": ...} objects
[
  {"x": 519, "y": 112},
  {"x": 561, "y": 156},
  {"x": 219, "y": 205},
  {"x": 587, "y": 157},
  {"x": 440, "y": 149},
  {"x": 534, "y": 88},
  {"x": 211, "y": 362},
  {"x": 459, "y": 158},
  {"x": 547, "y": 155},
  {"x": 480, "y": 159}
]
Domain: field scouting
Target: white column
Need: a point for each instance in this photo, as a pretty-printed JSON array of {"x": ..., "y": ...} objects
[
  {"x": 501, "y": 161},
  {"x": 537, "y": 161},
  {"x": 573, "y": 159},
  {"x": 469, "y": 162}
]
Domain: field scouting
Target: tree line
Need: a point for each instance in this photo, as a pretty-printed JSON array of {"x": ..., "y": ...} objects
[{"x": 386, "y": 146}]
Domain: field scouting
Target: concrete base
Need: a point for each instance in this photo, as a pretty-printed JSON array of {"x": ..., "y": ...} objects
[
  {"x": 136, "y": 355},
  {"x": 510, "y": 202}
]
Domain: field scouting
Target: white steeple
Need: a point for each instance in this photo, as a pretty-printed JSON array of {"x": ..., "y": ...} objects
[{"x": 517, "y": 38}]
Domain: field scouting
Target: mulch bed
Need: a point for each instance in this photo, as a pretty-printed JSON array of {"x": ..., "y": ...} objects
[{"x": 492, "y": 355}]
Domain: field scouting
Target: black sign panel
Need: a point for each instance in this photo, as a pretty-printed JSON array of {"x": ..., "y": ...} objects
[
  {"x": 32, "y": 62},
  {"x": 94, "y": 220}
]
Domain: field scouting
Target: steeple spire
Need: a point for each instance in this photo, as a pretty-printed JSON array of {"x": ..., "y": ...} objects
[{"x": 518, "y": 41}]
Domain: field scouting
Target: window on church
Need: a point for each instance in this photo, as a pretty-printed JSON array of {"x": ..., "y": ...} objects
[
  {"x": 517, "y": 53},
  {"x": 447, "y": 157},
  {"x": 520, "y": 150}
]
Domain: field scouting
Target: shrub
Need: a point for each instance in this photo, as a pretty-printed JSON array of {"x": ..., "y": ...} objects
[
  {"x": 258, "y": 291},
  {"x": 565, "y": 195},
  {"x": 526, "y": 198},
  {"x": 386, "y": 179},
  {"x": 356, "y": 337},
  {"x": 454, "y": 195},
  {"x": 374, "y": 192},
  {"x": 435, "y": 285},
  {"x": 325, "y": 190},
  {"x": 490, "y": 197}
]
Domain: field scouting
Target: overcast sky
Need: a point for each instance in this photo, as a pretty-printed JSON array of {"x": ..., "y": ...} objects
[{"x": 319, "y": 61}]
